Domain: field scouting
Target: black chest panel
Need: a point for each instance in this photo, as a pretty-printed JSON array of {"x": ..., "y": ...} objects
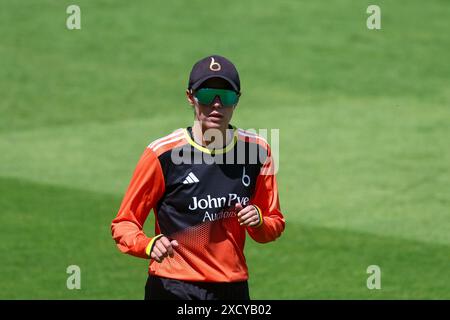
[{"x": 202, "y": 187}]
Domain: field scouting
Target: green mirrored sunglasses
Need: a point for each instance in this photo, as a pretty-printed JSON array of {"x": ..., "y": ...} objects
[{"x": 207, "y": 96}]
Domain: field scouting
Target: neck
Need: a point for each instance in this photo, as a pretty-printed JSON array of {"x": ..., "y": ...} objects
[{"x": 210, "y": 139}]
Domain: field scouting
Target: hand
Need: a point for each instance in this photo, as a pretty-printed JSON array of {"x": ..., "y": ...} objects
[
  {"x": 163, "y": 248},
  {"x": 247, "y": 216}
]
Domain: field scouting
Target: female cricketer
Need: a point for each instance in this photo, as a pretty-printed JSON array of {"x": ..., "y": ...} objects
[{"x": 208, "y": 185}]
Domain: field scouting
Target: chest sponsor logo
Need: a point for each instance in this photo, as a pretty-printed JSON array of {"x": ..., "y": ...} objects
[{"x": 219, "y": 202}]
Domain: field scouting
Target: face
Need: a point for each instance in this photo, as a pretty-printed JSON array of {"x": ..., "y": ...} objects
[{"x": 215, "y": 115}]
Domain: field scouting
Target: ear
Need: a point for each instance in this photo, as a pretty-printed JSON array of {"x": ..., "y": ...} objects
[{"x": 190, "y": 97}]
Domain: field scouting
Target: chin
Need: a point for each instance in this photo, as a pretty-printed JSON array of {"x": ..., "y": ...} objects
[{"x": 215, "y": 124}]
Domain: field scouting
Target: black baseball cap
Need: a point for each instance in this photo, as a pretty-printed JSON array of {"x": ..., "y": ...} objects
[{"x": 214, "y": 66}]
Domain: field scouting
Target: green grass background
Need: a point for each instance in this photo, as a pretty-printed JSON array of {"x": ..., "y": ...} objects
[{"x": 364, "y": 119}]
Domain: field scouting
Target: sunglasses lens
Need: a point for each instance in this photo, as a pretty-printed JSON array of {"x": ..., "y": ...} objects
[
  {"x": 229, "y": 97},
  {"x": 207, "y": 96}
]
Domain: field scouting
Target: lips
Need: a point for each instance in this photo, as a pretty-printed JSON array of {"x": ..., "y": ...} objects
[{"x": 215, "y": 115}]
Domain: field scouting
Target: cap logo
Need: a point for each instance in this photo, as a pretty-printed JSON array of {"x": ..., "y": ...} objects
[{"x": 214, "y": 66}]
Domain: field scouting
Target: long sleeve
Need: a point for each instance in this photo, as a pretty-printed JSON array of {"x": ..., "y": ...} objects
[
  {"x": 267, "y": 202},
  {"x": 145, "y": 189}
]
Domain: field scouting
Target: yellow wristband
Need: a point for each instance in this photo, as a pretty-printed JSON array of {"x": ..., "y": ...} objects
[
  {"x": 149, "y": 247},
  {"x": 261, "y": 221}
]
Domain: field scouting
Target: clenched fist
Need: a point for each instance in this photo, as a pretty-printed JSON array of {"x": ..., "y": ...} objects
[
  {"x": 163, "y": 248},
  {"x": 247, "y": 216}
]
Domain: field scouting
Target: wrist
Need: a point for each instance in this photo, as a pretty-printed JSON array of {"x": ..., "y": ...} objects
[
  {"x": 150, "y": 245},
  {"x": 261, "y": 220}
]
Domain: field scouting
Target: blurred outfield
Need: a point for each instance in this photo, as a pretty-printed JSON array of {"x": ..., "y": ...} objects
[{"x": 364, "y": 120}]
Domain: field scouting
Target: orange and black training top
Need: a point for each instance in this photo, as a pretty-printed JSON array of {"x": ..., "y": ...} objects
[{"x": 193, "y": 192}]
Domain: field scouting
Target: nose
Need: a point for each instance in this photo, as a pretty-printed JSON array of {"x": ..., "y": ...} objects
[{"x": 217, "y": 103}]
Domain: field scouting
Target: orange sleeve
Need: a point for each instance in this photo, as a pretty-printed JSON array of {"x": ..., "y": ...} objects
[
  {"x": 145, "y": 189},
  {"x": 267, "y": 202}
]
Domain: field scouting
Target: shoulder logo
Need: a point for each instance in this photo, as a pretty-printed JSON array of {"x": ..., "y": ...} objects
[
  {"x": 190, "y": 178},
  {"x": 214, "y": 66}
]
